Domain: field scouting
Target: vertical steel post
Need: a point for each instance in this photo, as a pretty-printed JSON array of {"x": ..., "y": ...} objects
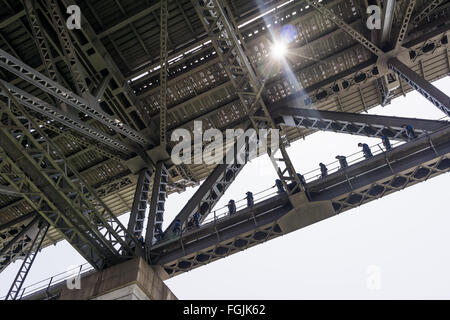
[{"x": 163, "y": 74}]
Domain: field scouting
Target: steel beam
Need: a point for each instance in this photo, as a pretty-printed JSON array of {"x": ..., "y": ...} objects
[
  {"x": 327, "y": 13},
  {"x": 405, "y": 23},
  {"x": 41, "y": 41},
  {"x": 67, "y": 119},
  {"x": 426, "y": 11},
  {"x": 388, "y": 17},
  {"x": 100, "y": 90},
  {"x": 249, "y": 86},
  {"x": 18, "y": 246},
  {"x": 426, "y": 89},
  {"x": 110, "y": 64},
  {"x": 353, "y": 123},
  {"x": 67, "y": 47},
  {"x": 404, "y": 166},
  {"x": 40, "y": 81},
  {"x": 157, "y": 202},
  {"x": 68, "y": 203},
  {"x": 31, "y": 253},
  {"x": 140, "y": 203},
  {"x": 209, "y": 193},
  {"x": 163, "y": 75},
  {"x": 6, "y": 190}
]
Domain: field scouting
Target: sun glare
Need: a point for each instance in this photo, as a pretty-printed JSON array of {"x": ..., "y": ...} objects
[{"x": 279, "y": 50}]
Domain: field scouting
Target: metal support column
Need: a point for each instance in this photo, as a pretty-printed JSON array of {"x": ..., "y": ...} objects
[
  {"x": 209, "y": 193},
  {"x": 163, "y": 74},
  {"x": 157, "y": 202},
  {"x": 426, "y": 89},
  {"x": 425, "y": 12},
  {"x": 140, "y": 203},
  {"x": 68, "y": 48},
  {"x": 405, "y": 23},
  {"x": 41, "y": 41}
]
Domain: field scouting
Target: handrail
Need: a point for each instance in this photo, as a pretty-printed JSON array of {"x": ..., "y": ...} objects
[
  {"x": 56, "y": 279},
  {"x": 218, "y": 215}
]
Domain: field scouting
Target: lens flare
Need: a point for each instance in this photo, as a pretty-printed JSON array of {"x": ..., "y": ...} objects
[{"x": 279, "y": 50}]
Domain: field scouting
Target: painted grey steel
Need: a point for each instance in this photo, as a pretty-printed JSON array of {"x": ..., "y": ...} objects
[
  {"x": 426, "y": 89},
  {"x": 65, "y": 118},
  {"x": 24, "y": 269},
  {"x": 157, "y": 205},
  {"x": 371, "y": 179},
  {"x": 19, "y": 245},
  {"x": 140, "y": 203},
  {"x": 358, "y": 124},
  {"x": 27, "y": 73},
  {"x": 388, "y": 17}
]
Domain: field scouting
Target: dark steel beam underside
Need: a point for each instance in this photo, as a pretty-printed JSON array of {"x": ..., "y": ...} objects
[{"x": 354, "y": 123}]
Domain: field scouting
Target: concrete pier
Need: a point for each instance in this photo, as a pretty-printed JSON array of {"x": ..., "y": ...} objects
[{"x": 131, "y": 280}]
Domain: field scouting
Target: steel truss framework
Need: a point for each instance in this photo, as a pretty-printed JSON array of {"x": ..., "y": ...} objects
[
  {"x": 41, "y": 41},
  {"x": 56, "y": 191},
  {"x": 426, "y": 11},
  {"x": 362, "y": 182},
  {"x": 27, "y": 263},
  {"x": 163, "y": 73},
  {"x": 228, "y": 44},
  {"x": 140, "y": 203},
  {"x": 35, "y": 78},
  {"x": 67, "y": 203},
  {"x": 68, "y": 49},
  {"x": 358, "y": 124},
  {"x": 156, "y": 210},
  {"x": 19, "y": 245},
  {"x": 426, "y": 89}
]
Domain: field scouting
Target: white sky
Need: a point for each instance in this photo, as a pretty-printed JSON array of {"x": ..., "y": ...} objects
[{"x": 403, "y": 235}]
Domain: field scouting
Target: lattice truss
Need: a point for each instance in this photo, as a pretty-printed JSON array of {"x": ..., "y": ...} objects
[
  {"x": 79, "y": 105},
  {"x": 398, "y": 182}
]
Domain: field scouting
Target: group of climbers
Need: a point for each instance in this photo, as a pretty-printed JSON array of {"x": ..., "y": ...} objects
[
  {"x": 409, "y": 132},
  {"x": 367, "y": 152}
]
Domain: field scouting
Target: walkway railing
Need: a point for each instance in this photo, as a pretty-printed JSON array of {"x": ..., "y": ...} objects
[
  {"x": 45, "y": 285},
  {"x": 215, "y": 216}
]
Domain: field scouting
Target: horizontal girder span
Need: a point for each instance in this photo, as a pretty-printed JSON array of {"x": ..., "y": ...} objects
[
  {"x": 360, "y": 183},
  {"x": 354, "y": 123}
]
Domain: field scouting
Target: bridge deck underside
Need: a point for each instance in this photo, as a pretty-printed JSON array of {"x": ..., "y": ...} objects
[
  {"x": 361, "y": 183},
  {"x": 122, "y": 39}
]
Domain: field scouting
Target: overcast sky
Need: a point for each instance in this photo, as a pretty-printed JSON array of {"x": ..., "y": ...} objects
[{"x": 395, "y": 247}]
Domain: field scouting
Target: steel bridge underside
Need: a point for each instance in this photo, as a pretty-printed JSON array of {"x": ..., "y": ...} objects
[
  {"x": 368, "y": 180},
  {"x": 352, "y": 88},
  {"x": 104, "y": 134}
]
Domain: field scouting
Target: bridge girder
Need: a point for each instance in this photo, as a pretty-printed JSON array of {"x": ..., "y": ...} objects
[
  {"x": 383, "y": 174},
  {"x": 65, "y": 202},
  {"x": 17, "y": 246},
  {"x": 354, "y": 123},
  {"x": 426, "y": 89}
]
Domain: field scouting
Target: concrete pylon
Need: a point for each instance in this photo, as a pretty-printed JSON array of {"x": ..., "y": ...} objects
[{"x": 131, "y": 280}]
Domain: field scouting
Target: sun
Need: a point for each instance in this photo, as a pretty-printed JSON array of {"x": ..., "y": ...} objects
[{"x": 279, "y": 50}]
